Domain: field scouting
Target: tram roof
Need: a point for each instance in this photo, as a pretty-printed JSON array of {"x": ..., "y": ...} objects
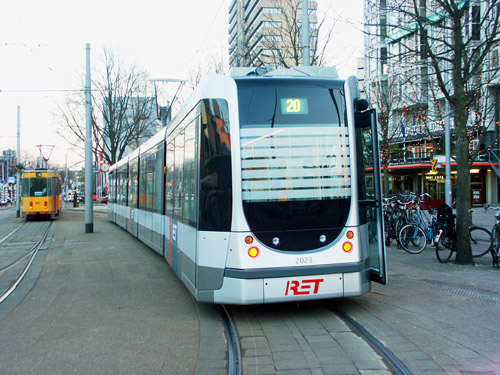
[{"x": 298, "y": 72}]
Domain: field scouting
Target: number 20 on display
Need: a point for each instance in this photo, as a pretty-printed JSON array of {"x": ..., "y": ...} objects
[{"x": 294, "y": 106}]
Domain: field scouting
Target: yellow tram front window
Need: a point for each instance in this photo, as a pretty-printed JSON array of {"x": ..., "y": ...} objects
[{"x": 35, "y": 187}]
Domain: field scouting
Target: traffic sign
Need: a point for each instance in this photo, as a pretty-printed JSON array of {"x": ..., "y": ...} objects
[{"x": 104, "y": 167}]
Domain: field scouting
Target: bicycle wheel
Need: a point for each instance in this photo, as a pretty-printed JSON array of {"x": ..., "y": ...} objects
[
  {"x": 412, "y": 239},
  {"x": 480, "y": 241},
  {"x": 445, "y": 246},
  {"x": 495, "y": 245},
  {"x": 387, "y": 231},
  {"x": 398, "y": 225}
]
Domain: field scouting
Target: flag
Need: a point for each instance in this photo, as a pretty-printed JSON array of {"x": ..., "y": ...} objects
[{"x": 403, "y": 122}]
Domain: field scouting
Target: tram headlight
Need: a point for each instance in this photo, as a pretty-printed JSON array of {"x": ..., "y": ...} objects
[
  {"x": 253, "y": 252},
  {"x": 347, "y": 247},
  {"x": 276, "y": 241},
  {"x": 322, "y": 238}
]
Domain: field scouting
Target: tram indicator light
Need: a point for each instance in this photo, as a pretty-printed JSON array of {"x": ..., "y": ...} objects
[
  {"x": 253, "y": 252},
  {"x": 248, "y": 240},
  {"x": 350, "y": 234},
  {"x": 347, "y": 247}
]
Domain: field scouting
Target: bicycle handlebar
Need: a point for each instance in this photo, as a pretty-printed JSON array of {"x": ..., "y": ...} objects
[{"x": 492, "y": 207}]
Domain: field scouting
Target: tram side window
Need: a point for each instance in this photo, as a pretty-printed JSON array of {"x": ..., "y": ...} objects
[
  {"x": 142, "y": 183},
  {"x": 190, "y": 175},
  {"x": 134, "y": 182},
  {"x": 112, "y": 185},
  {"x": 56, "y": 186},
  {"x": 25, "y": 187},
  {"x": 158, "y": 179},
  {"x": 147, "y": 178},
  {"x": 118, "y": 191},
  {"x": 169, "y": 182},
  {"x": 50, "y": 187},
  {"x": 178, "y": 179},
  {"x": 122, "y": 186},
  {"x": 215, "y": 167}
]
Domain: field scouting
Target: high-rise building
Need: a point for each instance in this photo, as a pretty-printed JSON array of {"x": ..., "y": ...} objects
[{"x": 265, "y": 32}]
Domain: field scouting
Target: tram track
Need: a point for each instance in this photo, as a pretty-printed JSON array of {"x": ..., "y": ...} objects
[
  {"x": 11, "y": 233},
  {"x": 234, "y": 350},
  {"x": 397, "y": 367},
  {"x": 30, "y": 256},
  {"x": 304, "y": 336}
]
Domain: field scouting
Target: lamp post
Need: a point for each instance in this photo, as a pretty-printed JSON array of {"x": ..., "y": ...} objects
[{"x": 89, "y": 219}]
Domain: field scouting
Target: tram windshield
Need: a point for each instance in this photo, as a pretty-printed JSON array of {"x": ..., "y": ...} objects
[
  {"x": 295, "y": 156},
  {"x": 34, "y": 187}
]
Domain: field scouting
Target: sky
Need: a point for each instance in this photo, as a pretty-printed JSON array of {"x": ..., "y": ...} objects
[{"x": 42, "y": 53}]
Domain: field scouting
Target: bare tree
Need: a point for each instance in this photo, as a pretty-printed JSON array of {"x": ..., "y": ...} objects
[
  {"x": 213, "y": 63},
  {"x": 447, "y": 44},
  {"x": 124, "y": 113},
  {"x": 384, "y": 97}
]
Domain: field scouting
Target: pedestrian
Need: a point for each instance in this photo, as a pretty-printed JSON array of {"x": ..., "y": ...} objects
[{"x": 75, "y": 199}]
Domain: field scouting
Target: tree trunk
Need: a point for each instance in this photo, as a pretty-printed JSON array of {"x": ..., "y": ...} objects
[{"x": 464, "y": 253}]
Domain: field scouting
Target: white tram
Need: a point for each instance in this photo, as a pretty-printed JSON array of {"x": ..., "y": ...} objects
[{"x": 264, "y": 188}]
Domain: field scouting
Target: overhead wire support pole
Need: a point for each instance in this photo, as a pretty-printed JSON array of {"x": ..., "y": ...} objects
[
  {"x": 89, "y": 220},
  {"x": 18, "y": 161}
]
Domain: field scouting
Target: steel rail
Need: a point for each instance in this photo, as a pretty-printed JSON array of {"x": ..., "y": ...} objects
[
  {"x": 392, "y": 361},
  {"x": 23, "y": 256},
  {"x": 11, "y": 233},
  {"x": 33, "y": 253},
  {"x": 234, "y": 350},
  {"x": 2, "y": 270}
]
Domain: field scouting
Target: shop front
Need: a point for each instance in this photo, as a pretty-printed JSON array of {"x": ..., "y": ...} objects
[{"x": 432, "y": 181}]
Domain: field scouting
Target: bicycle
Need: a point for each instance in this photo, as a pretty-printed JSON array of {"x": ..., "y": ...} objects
[
  {"x": 414, "y": 236},
  {"x": 495, "y": 236},
  {"x": 446, "y": 243},
  {"x": 395, "y": 217}
]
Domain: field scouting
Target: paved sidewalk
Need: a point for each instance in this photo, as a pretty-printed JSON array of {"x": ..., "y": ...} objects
[
  {"x": 437, "y": 318},
  {"x": 100, "y": 306}
]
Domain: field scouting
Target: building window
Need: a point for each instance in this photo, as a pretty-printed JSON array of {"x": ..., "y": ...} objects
[
  {"x": 272, "y": 38},
  {"x": 494, "y": 58},
  {"x": 272, "y": 24},
  {"x": 476, "y": 22},
  {"x": 272, "y": 10}
]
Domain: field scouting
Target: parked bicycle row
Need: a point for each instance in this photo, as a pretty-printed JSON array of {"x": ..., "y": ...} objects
[{"x": 414, "y": 225}]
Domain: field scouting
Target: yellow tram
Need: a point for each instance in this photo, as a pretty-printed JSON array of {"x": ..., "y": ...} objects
[{"x": 41, "y": 193}]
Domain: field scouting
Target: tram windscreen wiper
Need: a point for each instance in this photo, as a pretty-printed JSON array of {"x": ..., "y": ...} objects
[{"x": 275, "y": 107}]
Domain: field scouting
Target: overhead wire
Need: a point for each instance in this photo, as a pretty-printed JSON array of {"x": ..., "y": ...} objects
[{"x": 210, "y": 27}]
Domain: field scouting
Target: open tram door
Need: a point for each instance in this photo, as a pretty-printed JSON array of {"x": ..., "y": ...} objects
[{"x": 370, "y": 188}]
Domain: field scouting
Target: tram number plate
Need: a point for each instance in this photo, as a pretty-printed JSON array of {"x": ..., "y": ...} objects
[{"x": 304, "y": 286}]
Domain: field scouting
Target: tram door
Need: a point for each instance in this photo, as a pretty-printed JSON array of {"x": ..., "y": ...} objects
[{"x": 370, "y": 191}]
